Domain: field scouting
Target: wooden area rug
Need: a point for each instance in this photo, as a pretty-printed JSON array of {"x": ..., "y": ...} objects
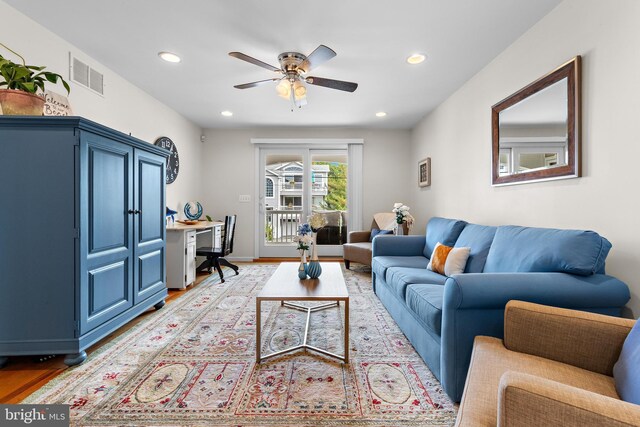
[{"x": 193, "y": 363}]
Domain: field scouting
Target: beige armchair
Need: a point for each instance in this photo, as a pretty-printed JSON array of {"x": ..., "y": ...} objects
[
  {"x": 554, "y": 368},
  {"x": 358, "y": 246}
]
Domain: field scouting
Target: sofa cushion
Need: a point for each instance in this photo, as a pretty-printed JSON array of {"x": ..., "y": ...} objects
[
  {"x": 380, "y": 264},
  {"x": 625, "y": 371},
  {"x": 398, "y": 278},
  {"x": 490, "y": 360},
  {"x": 478, "y": 238},
  {"x": 443, "y": 230},
  {"x": 426, "y": 302},
  {"x": 528, "y": 249}
]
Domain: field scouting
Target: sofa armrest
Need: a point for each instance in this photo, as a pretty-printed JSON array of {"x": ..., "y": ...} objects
[
  {"x": 473, "y": 304},
  {"x": 586, "y": 340},
  {"x": 495, "y": 290},
  {"x": 358, "y": 236},
  {"x": 526, "y": 400},
  {"x": 387, "y": 245}
]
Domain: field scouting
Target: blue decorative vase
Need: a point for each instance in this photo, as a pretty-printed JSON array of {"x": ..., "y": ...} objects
[
  {"x": 302, "y": 270},
  {"x": 313, "y": 269}
]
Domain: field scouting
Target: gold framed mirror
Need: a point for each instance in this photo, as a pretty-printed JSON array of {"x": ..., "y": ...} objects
[{"x": 536, "y": 131}]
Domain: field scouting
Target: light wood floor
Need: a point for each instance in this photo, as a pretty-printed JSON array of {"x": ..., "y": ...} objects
[{"x": 25, "y": 374}]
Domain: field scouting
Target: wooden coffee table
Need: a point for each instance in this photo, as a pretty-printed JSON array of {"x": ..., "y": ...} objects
[{"x": 285, "y": 286}]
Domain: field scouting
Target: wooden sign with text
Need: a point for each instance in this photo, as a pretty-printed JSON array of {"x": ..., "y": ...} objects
[{"x": 56, "y": 105}]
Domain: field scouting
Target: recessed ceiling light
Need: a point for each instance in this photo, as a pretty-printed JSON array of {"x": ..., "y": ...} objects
[
  {"x": 227, "y": 113},
  {"x": 169, "y": 57},
  {"x": 381, "y": 114},
  {"x": 416, "y": 58}
]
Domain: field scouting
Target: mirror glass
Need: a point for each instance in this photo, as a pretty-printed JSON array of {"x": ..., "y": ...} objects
[{"x": 535, "y": 130}]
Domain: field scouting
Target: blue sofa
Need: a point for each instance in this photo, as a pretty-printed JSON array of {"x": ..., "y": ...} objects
[{"x": 441, "y": 315}]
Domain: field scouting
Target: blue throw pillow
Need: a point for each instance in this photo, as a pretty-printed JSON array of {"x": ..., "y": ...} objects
[
  {"x": 376, "y": 232},
  {"x": 625, "y": 371}
]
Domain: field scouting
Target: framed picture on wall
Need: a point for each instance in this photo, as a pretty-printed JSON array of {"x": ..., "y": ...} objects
[{"x": 424, "y": 172}]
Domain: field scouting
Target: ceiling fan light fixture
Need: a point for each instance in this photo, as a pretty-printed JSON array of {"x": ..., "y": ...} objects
[
  {"x": 169, "y": 57},
  {"x": 416, "y": 58},
  {"x": 299, "y": 90},
  {"x": 284, "y": 89},
  {"x": 293, "y": 68}
]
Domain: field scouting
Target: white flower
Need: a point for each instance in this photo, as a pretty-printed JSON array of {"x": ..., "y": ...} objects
[
  {"x": 400, "y": 208},
  {"x": 304, "y": 239},
  {"x": 402, "y": 214}
]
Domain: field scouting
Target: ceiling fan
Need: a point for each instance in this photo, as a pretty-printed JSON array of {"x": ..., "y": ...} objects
[{"x": 293, "y": 71}]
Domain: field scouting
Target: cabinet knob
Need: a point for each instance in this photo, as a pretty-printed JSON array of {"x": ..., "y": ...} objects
[{"x": 131, "y": 211}]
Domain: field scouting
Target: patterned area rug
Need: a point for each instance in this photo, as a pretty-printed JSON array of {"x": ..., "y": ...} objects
[{"x": 193, "y": 363}]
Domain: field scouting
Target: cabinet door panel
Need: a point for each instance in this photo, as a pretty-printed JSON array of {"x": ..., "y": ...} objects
[
  {"x": 106, "y": 238},
  {"x": 150, "y": 224},
  {"x": 150, "y": 268},
  {"x": 108, "y": 292},
  {"x": 150, "y": 199},
  {"x": 108, "y": 202}
]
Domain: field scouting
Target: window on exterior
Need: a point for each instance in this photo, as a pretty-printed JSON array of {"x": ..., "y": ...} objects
[
  {"x": 269, "y": 190},
  {"x": 292, "y": 202}
]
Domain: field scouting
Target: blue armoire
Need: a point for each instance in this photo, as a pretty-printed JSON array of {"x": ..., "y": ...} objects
[{"x": 82, "y": 234}]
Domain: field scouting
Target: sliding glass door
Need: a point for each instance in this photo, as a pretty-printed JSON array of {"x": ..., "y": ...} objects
[{"x": 294, "y": 183}]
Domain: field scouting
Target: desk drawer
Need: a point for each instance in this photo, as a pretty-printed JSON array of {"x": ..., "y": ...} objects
[{"x": 190, "y": 237}]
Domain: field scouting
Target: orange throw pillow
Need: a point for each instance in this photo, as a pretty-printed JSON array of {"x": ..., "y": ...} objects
[
  {"x": 439, "y": 258},
  {"x": 448, "y": 261}
]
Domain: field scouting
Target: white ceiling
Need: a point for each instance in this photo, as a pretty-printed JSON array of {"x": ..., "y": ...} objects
[{"x": 372, "y": 40}]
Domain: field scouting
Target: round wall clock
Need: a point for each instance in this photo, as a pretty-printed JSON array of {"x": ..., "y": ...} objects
[{"x": 173, "y": 162}]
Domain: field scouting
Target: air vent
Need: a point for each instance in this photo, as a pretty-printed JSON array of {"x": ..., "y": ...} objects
[{"x": 86, "y": 76}]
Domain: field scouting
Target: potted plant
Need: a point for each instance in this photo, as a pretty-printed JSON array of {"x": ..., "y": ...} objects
[{"x": 21, "y": 82}]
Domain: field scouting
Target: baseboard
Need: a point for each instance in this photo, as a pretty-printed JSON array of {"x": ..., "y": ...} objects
[{"x": 240, "y": 259}]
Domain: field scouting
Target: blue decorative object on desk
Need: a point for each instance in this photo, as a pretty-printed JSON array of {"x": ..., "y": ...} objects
[
  {"x": 193, "y": 210},
  {"x": 171, "y": 214},
  {"x": 314, "y": 270},
  {"x": 302, "y": 271}
]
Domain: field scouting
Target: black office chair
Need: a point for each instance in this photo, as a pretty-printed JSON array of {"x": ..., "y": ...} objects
[{"x": 215, "y": 256}]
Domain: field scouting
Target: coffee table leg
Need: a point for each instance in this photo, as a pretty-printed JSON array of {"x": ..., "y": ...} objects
[
  {"x": 346, "y": 330},
  {"x": 258, "y": 328}
]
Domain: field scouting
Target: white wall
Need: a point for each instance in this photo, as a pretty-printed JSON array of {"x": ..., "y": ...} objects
[
  {"x": 457, "y": 135},
  {"x": 229, "y": 170},
  {"x": 124, "y": 106}
]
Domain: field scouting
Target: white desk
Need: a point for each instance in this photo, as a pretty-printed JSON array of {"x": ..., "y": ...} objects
[{"x": 182, "y": 241}]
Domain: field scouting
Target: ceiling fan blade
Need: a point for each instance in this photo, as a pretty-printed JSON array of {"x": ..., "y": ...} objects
[
  {"x": 254, "y": 84},
  {"x": 254, "y": 61},
  {"x": 332, "y": 84},
  {"x": 319, "y": 56}
]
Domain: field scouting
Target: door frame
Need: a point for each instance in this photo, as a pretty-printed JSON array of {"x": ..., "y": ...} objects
[{"x": 354, "y": 149}]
